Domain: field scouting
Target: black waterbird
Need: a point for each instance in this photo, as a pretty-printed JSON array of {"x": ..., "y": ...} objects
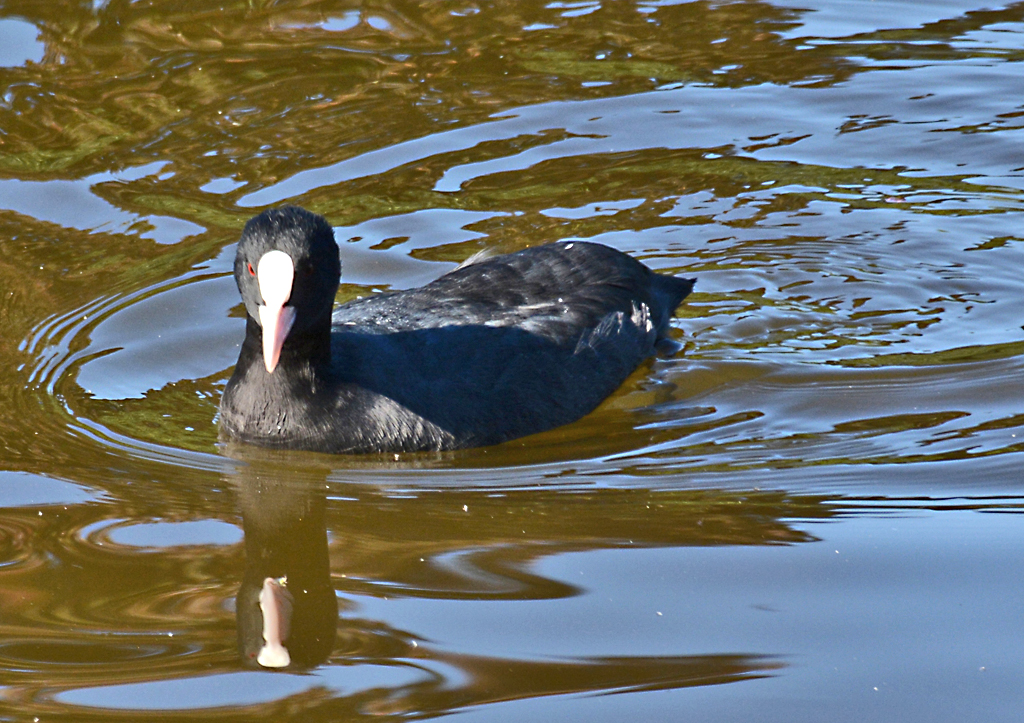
[{"x": 500, "y": 347}]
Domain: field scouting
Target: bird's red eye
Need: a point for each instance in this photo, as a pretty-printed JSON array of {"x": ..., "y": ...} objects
[{"x": 252, "y": 272}]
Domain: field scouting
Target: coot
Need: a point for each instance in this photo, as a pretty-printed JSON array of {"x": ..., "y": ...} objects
[{"x": 498, "y": 348}]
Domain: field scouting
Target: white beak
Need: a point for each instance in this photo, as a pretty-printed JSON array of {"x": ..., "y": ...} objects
[
  {"x": 275, "y": 273},
  {"x": 276, "y": 606}
]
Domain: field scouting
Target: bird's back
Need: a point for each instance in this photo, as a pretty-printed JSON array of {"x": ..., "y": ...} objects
[{"x": 509, "y": 345}]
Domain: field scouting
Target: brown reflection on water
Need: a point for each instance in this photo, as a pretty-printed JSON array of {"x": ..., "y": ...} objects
[
  {"x": 82, "y": 610},
  {"x": 161, "y": 80},
  {"x": 119, "y": 75},
  {"x": 492, "y": 680},
  {"x": 391, "y": 545},
  {"x": 90, "y": 605},
  {"x": 496, "y": 536}
]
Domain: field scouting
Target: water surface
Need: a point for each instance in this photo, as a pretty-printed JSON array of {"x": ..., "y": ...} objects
[{"x": 810, "y": 512}]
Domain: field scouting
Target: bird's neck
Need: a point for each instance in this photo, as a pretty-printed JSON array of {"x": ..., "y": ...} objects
[{"x": 267, "y": 407}]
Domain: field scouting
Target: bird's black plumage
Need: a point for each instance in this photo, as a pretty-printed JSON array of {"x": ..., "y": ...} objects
[{"x": 499, "y": 348}]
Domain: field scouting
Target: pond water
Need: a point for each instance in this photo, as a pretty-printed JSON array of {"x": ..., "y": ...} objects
[{"x": 811, "y": 512}]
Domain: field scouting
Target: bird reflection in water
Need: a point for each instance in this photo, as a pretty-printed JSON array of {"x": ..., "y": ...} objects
[{"x": 286, "y": 610}]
